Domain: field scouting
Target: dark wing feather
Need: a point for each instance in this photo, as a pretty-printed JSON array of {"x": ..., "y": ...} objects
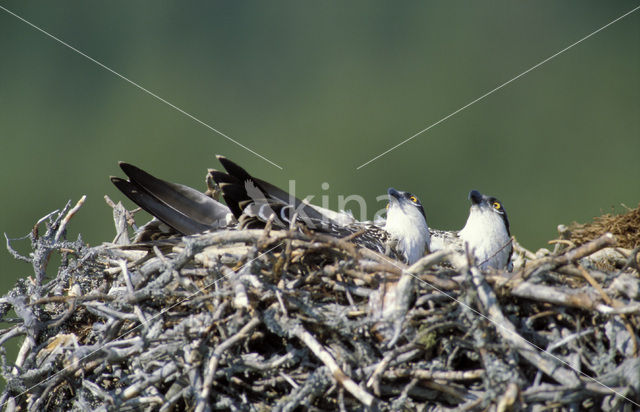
[
  {"x": 269, "y": 192},
  {"x": 233, "y": 190},
  {"x": 254, "y": 201},
  {"x": 373, "y": 237},
  {"x": 185, "y": 209},
  {"x": 149, "y": 203}
]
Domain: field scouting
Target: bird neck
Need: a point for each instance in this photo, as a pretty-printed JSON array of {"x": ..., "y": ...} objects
[
  {"x": 486, "y": 234},
  {"x": 411, "y": 239}
]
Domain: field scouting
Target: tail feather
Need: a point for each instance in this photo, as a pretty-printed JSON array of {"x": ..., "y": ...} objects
[
  {"x": 240, "y": 189},
  {"x": 232, "y": 189},
  {"x": 189, "y": 211},
  {"x": 181, "y": 207}
]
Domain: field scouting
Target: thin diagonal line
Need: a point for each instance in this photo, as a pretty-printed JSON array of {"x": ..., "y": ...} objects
[
  {"x": 508, "y": 330},
  {"x": 200, "y": 290},
  {"x": 139, "y": 86},
  {"x": 497, "y": 88}
]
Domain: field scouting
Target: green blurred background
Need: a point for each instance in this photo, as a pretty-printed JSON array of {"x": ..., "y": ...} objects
[{"x": 320, "y": 88}]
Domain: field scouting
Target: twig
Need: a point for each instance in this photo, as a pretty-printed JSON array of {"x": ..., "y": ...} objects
[
  {"x": 610, "y": 302},
  {"x": 215, "y": 358},
  {"x": 572, "y": 255},
  {"x": 363, "y": 396},
  {"x": 14, "y": 252},
  {"x": 67, "y": 218},
  {"x": 505, "y": 328}
]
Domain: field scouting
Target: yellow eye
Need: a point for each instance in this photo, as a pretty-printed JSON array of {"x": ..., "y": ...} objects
[
  {"x": 413, "y": 199},
  {"x": 496, "y": 205}
]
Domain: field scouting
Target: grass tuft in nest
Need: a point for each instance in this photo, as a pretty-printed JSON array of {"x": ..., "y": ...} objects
[{"x": 625, "y": 227}]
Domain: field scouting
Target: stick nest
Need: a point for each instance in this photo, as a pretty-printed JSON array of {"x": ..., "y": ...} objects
[
  {"x": 283, "y": 320},
  {"x": 624, "y": 226}
]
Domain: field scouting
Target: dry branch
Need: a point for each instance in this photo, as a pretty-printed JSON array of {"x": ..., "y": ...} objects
[{"x": 285, "y": 320}]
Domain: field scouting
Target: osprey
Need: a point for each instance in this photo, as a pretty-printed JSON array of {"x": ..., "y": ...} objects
[
  {"x": 486, "y": 234},
  {"x": 251, "y": 202}
]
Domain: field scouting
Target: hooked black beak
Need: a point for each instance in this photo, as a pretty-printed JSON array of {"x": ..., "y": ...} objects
[
  {"x": 394, "y": 193},
  {"x": 475, "y": 197}
]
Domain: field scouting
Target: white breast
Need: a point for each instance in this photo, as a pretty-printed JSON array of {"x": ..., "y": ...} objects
[
  {"x": 487, "y": 237},
  {"x": 409, "y": 228}
]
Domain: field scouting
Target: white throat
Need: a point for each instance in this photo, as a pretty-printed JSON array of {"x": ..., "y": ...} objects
[
  {"x": 487, "y": 237},
  {"x": 408, "y": 227}
]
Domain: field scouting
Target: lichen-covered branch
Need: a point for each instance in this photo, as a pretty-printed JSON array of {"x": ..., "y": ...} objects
[{"x": 286, "y": 320}]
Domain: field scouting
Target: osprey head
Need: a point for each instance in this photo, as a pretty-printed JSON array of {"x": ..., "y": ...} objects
[
  {"x": 487, "y": 232},
  {"x": 407, "y": 224}
]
